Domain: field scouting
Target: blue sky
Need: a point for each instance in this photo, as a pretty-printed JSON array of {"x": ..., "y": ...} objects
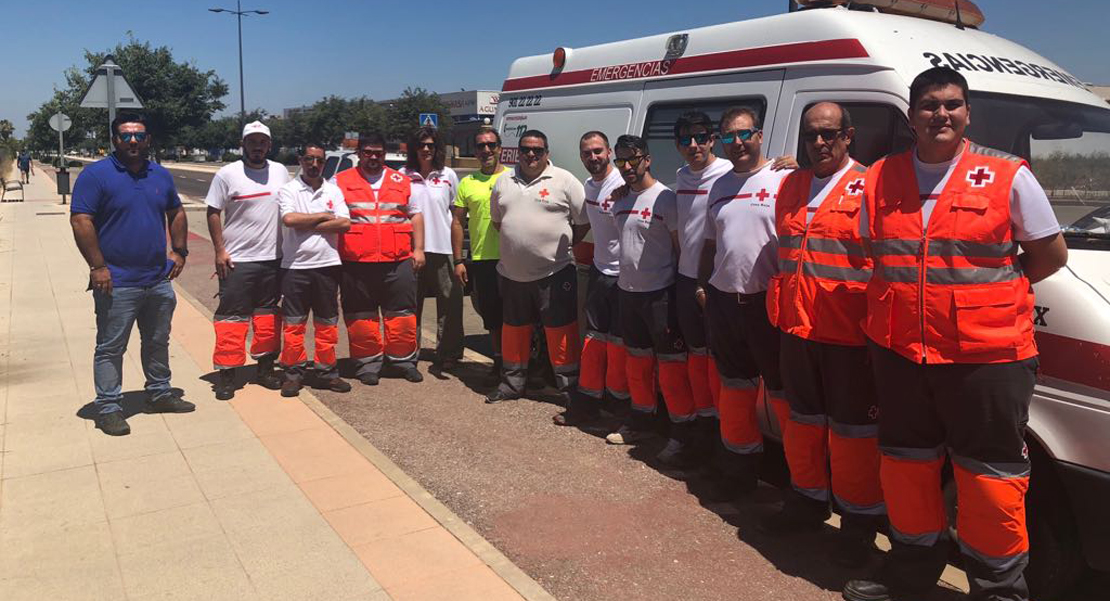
[{"x": 305, "y": 49}]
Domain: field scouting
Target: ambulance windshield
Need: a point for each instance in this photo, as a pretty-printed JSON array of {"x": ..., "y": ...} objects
[{"x": 1067, "y": 145}]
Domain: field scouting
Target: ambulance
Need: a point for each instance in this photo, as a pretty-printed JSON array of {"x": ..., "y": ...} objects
[{"x": 865, "y": 58}]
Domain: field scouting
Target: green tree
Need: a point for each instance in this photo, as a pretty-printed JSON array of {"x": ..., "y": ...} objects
[
  {"x": 403, "y": 114},
  {"x": 6, "y": 129},
  {"x": 177, "y": 96}
]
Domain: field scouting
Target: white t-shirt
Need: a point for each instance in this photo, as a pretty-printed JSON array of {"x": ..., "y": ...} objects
[
  {"x": 692, "y": 189},
  {"x": 248, "y": 198},
  {"x": 307, "y": 249},
  {"x": 820, "y": 187},
  {"x": 741, "y": 220},
  {"x": 646, "y": 220},
  {"x": 1031, "y": 214},
  {"x": 434, "y": 197},
  {"x": 607, "y": 246}
]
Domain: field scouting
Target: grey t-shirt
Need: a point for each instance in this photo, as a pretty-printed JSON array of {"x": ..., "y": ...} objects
[
  {"x": 536, "y": 219},
  {"x": 645, "y": 221}
]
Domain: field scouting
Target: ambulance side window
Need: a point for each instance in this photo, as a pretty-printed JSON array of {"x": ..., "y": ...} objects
[
  {"x": 881, "y": 129},
  {"x": 659, "y": 130}
]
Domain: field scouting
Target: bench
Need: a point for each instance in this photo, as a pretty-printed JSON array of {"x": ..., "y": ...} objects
[{"x": 11, "y": 186}]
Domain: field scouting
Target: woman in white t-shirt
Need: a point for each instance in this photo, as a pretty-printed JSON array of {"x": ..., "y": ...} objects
[{"x": 434, "y": 186}]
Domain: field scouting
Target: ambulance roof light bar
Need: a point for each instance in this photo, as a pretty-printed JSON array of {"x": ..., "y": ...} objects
[{"x": 960, "y": 13}]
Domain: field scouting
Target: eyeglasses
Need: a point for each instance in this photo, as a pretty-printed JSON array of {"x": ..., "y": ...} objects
[
  {"x": 132, "y": 136},
  {"x": 486, "y": 145},
  {"x": 536, "y": 150},
  {"x": 426, "y": 145},
  {"x": 633, "y": 161},
  {"x": 313, "y": 160},
  {"x": 741, "y": 134},
  {"x": 828, "y": 135},
  {"x": 701, "y": 138}
]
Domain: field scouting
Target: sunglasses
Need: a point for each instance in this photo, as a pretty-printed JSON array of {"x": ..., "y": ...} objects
[
  {"x": 827, "y": 135},
  {"x": 313, "y": 160},
  {"x": 487, "y": 145},
  {"x": 136, "y": 136},
  {"x": 700, "y": 139},
  {"x": 372, "y": 153},
  {"x": 536, "y": 150},
  {"x": 426, "y": 145},
  {"x": 741, "y": 134},
  {"x": 633, "y": 161}
]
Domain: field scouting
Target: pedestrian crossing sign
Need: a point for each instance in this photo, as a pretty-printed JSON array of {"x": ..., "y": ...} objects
[{"x": 429, "y": 120}]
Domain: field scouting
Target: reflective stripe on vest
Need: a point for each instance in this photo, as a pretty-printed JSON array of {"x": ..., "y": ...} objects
[
  {"x": 823, "y": 264},
  {"x": 381, "y": 230},
  {"x": 952, "y": 291}
]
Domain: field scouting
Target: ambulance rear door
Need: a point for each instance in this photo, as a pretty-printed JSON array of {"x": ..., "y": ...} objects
[{"x": 664, "y": 101}]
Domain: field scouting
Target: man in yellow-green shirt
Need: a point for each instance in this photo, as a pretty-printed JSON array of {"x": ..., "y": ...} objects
[{"x": 472, "y": 201}]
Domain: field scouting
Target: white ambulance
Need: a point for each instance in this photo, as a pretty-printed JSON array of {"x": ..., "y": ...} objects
[{"x": 1021, "y": 103}]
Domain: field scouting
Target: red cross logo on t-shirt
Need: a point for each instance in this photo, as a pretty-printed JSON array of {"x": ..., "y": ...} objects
[
  {"x": 435, "y": 180},
  {"x": 330, "y": 205},
  {"x": 762, "y": 195},
  {"x": 646, "y": 213},
  {"x": 855, "y": 187},
  {"x": 605, "y": 206},
  {"x": 544, "y": 194},
  {"x": 980, "y": 177}
]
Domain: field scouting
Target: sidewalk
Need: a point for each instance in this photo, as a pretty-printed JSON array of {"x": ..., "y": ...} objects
[{"x": 262, "y": 498}]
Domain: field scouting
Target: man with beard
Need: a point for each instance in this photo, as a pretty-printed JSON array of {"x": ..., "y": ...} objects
[
  {"x": 603, "y": 356},
  {"x": 243, "y": 223},
  {"x": 738, "y": 260}
]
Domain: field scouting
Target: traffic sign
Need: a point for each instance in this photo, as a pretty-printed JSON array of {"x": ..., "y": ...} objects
[
  {"x": 429, "y": 120},
  {"x": 110, "y": 89},
  {"x": 59, "y": 122}
]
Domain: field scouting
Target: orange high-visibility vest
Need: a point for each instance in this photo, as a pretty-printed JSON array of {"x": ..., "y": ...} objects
[
  {"x": 819, "y": 293},
  {"x": 952, "y": 292},
  {"x": 381, "y": 231}
]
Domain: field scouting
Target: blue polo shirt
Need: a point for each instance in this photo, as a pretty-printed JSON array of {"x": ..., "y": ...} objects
[{"x": 129, "y": 213}]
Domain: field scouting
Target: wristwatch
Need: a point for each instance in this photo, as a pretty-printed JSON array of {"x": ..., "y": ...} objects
[
  {"x": 459, "y": 262},
  {"x": 184, "y": 252}
]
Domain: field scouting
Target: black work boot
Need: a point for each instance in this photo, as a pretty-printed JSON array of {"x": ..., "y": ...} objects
[
  {"x": 798, "y": 514},
  {"x": 224, "y": 388},
  {"x": 739, "y": 476},
  {"x": 113, "y": 424},
  {"x": 493, "y": 376},
  {"x": 907, "y": 571},
  {"x": 582, "y": 411},
  {"x": 291, "y": 387},
  {"x": 266, "y": 376}
]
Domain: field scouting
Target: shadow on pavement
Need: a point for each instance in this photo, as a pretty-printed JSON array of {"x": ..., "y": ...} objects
[{"x": 133, "y": 403}]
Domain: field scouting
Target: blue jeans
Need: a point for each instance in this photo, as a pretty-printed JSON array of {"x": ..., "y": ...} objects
[{"x": 151, "y": 306}]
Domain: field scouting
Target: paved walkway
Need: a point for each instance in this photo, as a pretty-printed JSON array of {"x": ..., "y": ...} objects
[{"x": 261, "y": 498}]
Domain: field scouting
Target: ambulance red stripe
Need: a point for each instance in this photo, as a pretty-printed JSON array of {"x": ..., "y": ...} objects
[
  {"x": 800, "y": 52},
  {"x": 1073, "y": 360}
]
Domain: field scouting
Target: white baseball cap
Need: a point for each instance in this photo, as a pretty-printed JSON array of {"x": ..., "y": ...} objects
[{"x": 256, "y": 127}]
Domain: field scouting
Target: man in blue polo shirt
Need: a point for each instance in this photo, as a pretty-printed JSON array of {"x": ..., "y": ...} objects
[{"x": 120, "y": 208}]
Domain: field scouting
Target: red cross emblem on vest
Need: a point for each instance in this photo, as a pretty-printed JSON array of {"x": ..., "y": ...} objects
[
  {"x": 856, "y": 187},
  {"x": 396, "y": 177},
  {"x": 980, "y": 177},
  {"x": 646, "y": 213},
  {"x": 544, "y": 194},
  {"x": 762, "y": 195}
]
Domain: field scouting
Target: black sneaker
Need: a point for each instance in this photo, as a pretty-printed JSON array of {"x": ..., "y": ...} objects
[
  {"x": 335, "y": 384},
  {"x": 225, "y": 385},
  {"x": 497, "y": 396},
  {"x": 113, "y": 424},
  {"x": 290, "y": 388},
  {"x": 266, "y": 376},
  {"x": 369, "y": 379},
  {"x": 412, "y": 375},
  {"x": 170, "y": 403}
]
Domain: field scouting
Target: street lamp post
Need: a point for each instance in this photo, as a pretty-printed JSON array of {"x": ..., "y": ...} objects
[{"x": 239, "y": 14}]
